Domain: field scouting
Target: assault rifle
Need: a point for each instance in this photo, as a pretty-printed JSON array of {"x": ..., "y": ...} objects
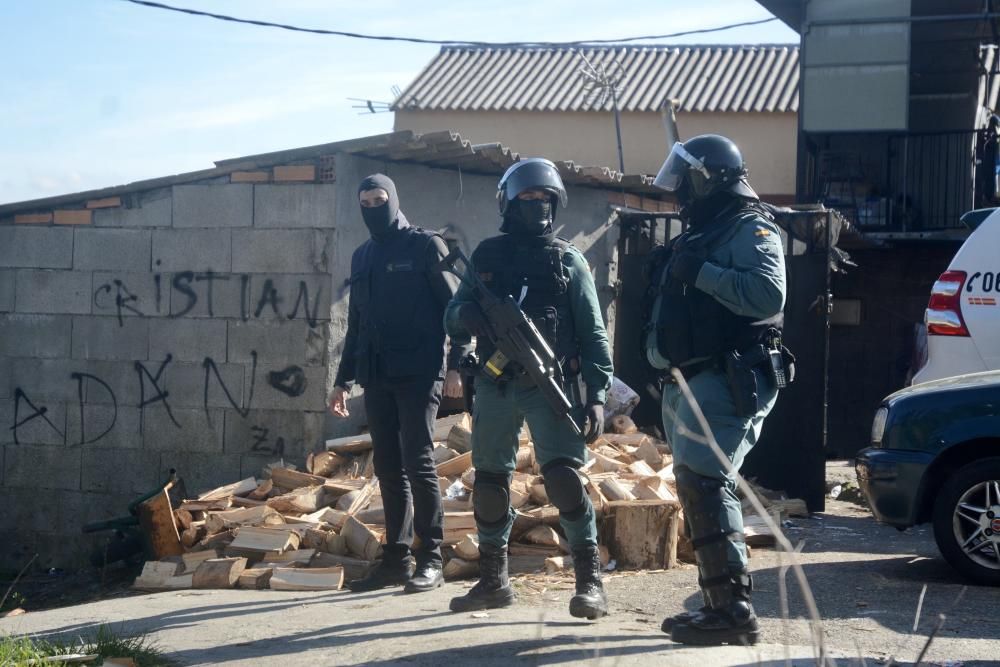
[{"x": 515, "y": 338}]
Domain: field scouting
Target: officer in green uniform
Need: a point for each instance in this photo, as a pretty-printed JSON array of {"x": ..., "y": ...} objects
[
  {"x": 551, "y": 281},
  {"x": 717, "y": 291}
]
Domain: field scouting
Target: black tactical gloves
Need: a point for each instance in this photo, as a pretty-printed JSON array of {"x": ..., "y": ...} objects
[{"x": 593, "y": 422}]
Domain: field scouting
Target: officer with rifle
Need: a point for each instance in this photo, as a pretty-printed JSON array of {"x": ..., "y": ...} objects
[
  {"x": 715, "y": 315},
  {"x": 529, "y": 299}
]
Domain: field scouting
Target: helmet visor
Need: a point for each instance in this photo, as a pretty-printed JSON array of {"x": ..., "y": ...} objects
[
  {"x": 533, "y": 174},
  {"x": 677, "y": 164}
]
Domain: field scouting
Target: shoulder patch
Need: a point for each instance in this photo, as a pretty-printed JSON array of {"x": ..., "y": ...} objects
[{"x": 762, "y": 231}]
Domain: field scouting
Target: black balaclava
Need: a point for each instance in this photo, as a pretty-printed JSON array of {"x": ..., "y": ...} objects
[
  {"x": 383, "y": 220},
  {"x": 702, "y": 211},
  {"x": 528, "y": 217}
]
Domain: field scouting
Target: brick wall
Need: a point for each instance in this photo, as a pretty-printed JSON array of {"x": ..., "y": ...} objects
[{"x": 184, "y": 327}]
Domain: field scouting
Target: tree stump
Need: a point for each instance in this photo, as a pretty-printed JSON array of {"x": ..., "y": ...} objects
[{"x": 642, "y": 534}]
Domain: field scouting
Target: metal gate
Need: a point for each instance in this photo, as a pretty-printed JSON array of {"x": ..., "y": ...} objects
[{"x": 790, "y": 455}]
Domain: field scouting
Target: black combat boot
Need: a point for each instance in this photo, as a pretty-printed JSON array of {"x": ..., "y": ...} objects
[
  {"x": 729, "y": 617},
  {"x": 493, "y": 589},
  {"x": 590, "y": 601},
  {"x": 426, "y": 577},
  {"x": 392, "y": 570}
]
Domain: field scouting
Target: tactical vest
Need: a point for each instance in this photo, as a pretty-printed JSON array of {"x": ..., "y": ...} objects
[
  {"x": 531, "y": 270},
  {"x": 400, "y": 325},
  {"x": 690, "y": 324}
]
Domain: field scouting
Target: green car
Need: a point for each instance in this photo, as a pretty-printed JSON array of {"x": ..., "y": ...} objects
[{"x": 935, "y": 457}]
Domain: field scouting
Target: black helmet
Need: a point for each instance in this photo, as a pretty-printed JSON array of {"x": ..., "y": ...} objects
[
  {"x": 703, "y": 166},
  {"x": 533, "y": 173}
]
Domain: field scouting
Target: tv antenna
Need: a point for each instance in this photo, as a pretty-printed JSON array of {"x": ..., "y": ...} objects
[
  {"x": 603, "y": 83},
  {"x": 375, "y": 106}
]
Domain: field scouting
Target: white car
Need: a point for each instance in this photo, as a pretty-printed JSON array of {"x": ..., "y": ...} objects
[{"x": 963, "y": 315}]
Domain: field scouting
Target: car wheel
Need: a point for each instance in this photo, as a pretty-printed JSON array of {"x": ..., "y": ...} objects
[{"x": 967, "y": 521}]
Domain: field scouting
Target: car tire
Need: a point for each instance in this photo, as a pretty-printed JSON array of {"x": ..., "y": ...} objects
[{"x": 964, "y": 492}]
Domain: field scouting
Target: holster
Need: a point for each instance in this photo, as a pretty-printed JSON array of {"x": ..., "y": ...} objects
[
  {"x": 469, "y": 369},
  {"x": 742, "y": 383}
]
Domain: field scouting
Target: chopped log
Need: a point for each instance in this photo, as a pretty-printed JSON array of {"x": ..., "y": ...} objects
[
  {"x": 457, "y": 525},
  {"x": 335, "y": 544},
  {"x": 354, "y": 444},
  {"x": 456, "y": 466},
  {"x": 606, "y": 463},
  {"x": 642, "y": 534},
  {"x": 534, "y": 550},
  {"x": 324, "y": 464},
  {"x": 440, "y": 454},
  {"x": 604, "y": 554},
  {"x": 304, "y": 499},
  {"x": 328, "y": 515},
  {"x": 338, "y": 487},
  {"x": 443, "y": 426},
  {"x": 155, "y": 573},
  {"x": 346, "y": 500},
  {"x": 361, "y": 540},
  {"x": 469, "y": 478},
  {"x": 642, "y": 469},
  {"x": 292, "y": 558},
  {"x": 614, "y": 490},
  {"x": 374, "y": 515},
  {"x": 262, "y": 491},
  {"x": 246, "y": 502},
  {"x": 459, "y": 568},
  {"x": 293, "y": 479},
  {"x": 547, "y": 515},
  {"x": 363, "y": 498},
  {"x": 183, "y": 518},
  {"x": 543, "y": 535},
  {"x": 791, "y": 507},
  {"x": 627, "y": 440},
  {"x": 368, "y": 469},
  {"x": 219, "y": 540},
  {"x": 555, "y": 564},
  {"x": 193, "y": 559},
  {"x": 666, "y": 473},
  {"x": 261, "y": 540},
  {"x": 240, "y": 488},
  {"x": 314, "y": 538},
  {"x": 527, "y": 564},
  {"x": 519, "y": 494},
  {"x": 255, "y": 578},
  {"x": 314, "y": 579},
  {"x": 460, "y": 436},
  {"x": 219, "y": 572},
  {"x": 539, "y": 496},
  {"x": 191, "y": 536},
  {"x": 156, "y": 518},
  {"x": 443, "y": 484},
  {"x": 525, "y": 458},
  {"x": 652, "y": 488},
  {"x": 207, "y": 505},
  {"x": 251, "y": 516},
  {"x": 468, "y": 548},
  {"x": 354, "y": 568},
  {"x": 649, "y": 453},
  {"x": 757, "y": 533}
]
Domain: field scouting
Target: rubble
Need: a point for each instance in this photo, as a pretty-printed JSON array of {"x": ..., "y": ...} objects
[{"x": 316, "y": 529}]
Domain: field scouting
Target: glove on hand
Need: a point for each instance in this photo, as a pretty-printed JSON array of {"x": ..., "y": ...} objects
[
  {"x": 474, "y": 320},
  {"x": 593, "y": 422}
]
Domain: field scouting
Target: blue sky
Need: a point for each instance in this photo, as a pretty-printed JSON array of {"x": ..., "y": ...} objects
[{"x": 103, "y": 92}]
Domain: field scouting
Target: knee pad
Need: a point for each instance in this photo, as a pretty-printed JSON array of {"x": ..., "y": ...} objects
[
  {"x": 491, "y": 498},
  {"x": 565, "y": 489}
]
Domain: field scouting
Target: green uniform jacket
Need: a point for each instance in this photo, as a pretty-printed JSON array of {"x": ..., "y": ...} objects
[{"x": 592, "y": 335}]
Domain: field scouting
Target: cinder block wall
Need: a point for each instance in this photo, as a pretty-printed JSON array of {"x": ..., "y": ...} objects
[{"x": 183, "y": 327}]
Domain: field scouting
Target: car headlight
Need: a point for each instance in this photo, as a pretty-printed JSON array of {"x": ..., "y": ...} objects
[{"x": 878, "y": 425}]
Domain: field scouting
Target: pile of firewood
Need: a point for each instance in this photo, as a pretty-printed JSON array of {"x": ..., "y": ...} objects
[{"x": 313, "y": 530}]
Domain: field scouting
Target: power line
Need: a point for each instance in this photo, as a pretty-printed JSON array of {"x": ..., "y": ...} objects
[{"x": 439, "y": 42}]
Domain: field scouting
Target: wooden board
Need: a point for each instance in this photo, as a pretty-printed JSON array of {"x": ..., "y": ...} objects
[
  {"x": 156, "y": 518},
  {"x": 219, "y": 572},
  {"x": 255, "y": 578},
  {"x": 293, "y": 479},
  {"x": 642, "y": 534},
  {"x": 354, "y": 568},
  {"x": 653, "y": 488},
  {"x": 240, "y": 488},
  {"x": 354, "y": 444},
  {"x": 307, "y": 579},
  {"x": 440, "y": 454},
  {"x": 757, "y": 533},
  {"x": 456, "y": 466},
  {"x": 262, "y": 540}
]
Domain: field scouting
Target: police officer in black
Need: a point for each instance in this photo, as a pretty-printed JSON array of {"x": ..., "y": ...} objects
[{"x": 395, "y": 349}]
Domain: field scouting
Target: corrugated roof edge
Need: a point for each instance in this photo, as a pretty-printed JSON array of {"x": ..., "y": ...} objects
[{"x": 443, "y": 149}]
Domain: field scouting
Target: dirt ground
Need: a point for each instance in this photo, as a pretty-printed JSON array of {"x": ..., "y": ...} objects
[{"x": 866, "y": 578}]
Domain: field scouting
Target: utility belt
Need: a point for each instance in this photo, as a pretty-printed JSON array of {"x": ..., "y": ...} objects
[{"x": 774, "y": 361}]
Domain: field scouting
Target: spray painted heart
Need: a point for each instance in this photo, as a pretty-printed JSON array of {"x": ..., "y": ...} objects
[{"x": 291, "y": 381}]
